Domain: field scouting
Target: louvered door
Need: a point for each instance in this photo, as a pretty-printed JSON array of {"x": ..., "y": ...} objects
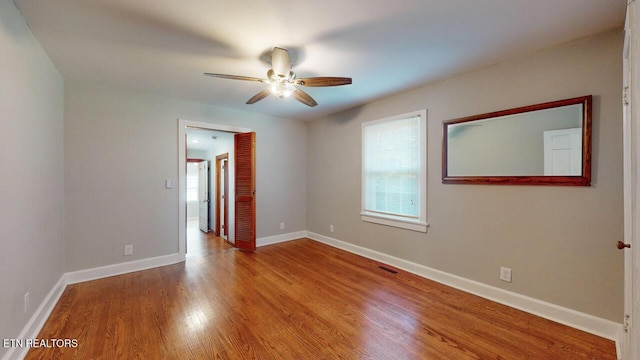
[{"x": 245, "y": 184}]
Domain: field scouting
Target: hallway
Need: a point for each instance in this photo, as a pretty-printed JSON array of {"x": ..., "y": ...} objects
[{"x": 200, "y": 244}]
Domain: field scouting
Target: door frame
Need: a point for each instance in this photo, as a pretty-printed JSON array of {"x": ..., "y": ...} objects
[
  {"x": 631, "y": 151},
  {"x": 219, "y": 174},
  {"x": 182, "y": 171}
]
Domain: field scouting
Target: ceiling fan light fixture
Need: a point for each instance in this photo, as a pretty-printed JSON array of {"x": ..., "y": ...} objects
[
  {"x": 282, "y": 82},
  {"x": 282, "y": 88}
]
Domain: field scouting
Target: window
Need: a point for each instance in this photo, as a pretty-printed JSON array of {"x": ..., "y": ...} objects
[
  {"x": 192, "y": 181},
  {"x": 394, "y": 171}
]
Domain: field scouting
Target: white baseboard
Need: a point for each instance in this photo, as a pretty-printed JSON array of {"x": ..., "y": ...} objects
[
  {"x": 144, "y": 264},
  {"x": 122, "y": 268},
  {"x": 280, "y": 238},
  {"x": 40, "y": 316},
  {"x": 149, "y": 263},
  {"x": 37, "y": 320},
  {"x": 33, "y": 327},
  {"x": 585, "y": 322}
]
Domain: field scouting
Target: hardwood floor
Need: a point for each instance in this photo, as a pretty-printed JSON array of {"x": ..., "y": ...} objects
[
  {"x": 203, "y": 244},
  {"x": 296, "y": 300}
]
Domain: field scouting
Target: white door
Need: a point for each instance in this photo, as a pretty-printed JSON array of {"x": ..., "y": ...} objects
[
  {"x": 563, "y": 152},
  {"x": 223, "y": 199},
  {"x": 203, "y": 194},
  {"x": 631, "y": 150}
]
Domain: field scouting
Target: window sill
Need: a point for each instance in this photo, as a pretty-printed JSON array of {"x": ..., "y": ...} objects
[{"x": 395, "y": 222}]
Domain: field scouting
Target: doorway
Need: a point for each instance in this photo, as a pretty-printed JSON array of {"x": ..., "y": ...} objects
[
  {"x": 184, "y": 127},
  {"x": 222, "y": 200},
  {"x": 199, "y": 235},
  {"x": 203, "y": 149}
]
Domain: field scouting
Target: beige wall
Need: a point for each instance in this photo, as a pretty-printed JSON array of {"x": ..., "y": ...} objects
[
  {"x": 559, "y": 241},
  {"x": 31, "y": 173},
  {"x": 119, "y": 148}
]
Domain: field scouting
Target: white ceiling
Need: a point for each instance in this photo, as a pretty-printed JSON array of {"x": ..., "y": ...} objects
[
  {"x": 164, "y": 46},
  {"x": 207, "y": 139}
]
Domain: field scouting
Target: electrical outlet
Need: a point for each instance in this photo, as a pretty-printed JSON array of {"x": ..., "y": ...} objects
[
  {"x": 282, "y": 226},
  {"x": 331, "y": 228},
  {"x": 505, "y": 274},
  {"x": 128, "y": 250},
  {"x": 26, "y": 302}
]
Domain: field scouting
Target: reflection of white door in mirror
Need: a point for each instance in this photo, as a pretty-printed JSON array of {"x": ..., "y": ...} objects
[{"x": 563, "y": 152}]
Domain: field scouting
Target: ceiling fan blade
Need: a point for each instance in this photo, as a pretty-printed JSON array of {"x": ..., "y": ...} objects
[
  {"x": 323, "y": 81},
  {"x": 259, "y": 96},
  {"x": 280, "y": 61},
  {"x": 235, "y": 77},
  {"x": 304, "y": 98}
]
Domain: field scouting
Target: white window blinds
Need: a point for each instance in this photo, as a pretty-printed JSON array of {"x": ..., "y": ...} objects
[{"x": 392, "y": 167}]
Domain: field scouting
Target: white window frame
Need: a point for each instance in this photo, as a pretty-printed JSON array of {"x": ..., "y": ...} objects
[{"x": 418, "y": 224}]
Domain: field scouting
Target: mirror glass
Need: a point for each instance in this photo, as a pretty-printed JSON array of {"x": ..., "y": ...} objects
[{"x": 543, "y": 144}]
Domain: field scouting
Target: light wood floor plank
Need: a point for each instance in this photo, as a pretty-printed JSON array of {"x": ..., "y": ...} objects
[{"x": 296, "y": 300}]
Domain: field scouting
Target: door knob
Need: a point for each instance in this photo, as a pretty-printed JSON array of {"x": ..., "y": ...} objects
[{"x": 622, "y": 245}]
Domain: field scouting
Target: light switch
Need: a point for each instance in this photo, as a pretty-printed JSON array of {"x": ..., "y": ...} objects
[{"x": 168, "y": 183}]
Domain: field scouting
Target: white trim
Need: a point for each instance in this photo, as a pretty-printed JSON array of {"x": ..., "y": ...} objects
[
  {"x": 631, "y": 180},
  {"x": 40, "y": 316},
  {"x": 589, "y": 323},
  {"x": 182, "y": 170},
  {"x": 212, "y": 126},
  {"x": 37, "y": 320},
  {"x": 395, "y": 222},
  {"x": 263, "y": 241},
  {"x": 628, "y": 186},
  {"x": 122, "y": 268}
]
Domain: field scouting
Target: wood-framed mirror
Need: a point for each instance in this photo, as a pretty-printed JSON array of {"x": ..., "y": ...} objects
[{"x": 543, "y": 144}]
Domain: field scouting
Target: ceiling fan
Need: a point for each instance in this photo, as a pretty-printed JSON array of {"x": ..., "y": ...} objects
[{"x": 282, "y": 80}]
